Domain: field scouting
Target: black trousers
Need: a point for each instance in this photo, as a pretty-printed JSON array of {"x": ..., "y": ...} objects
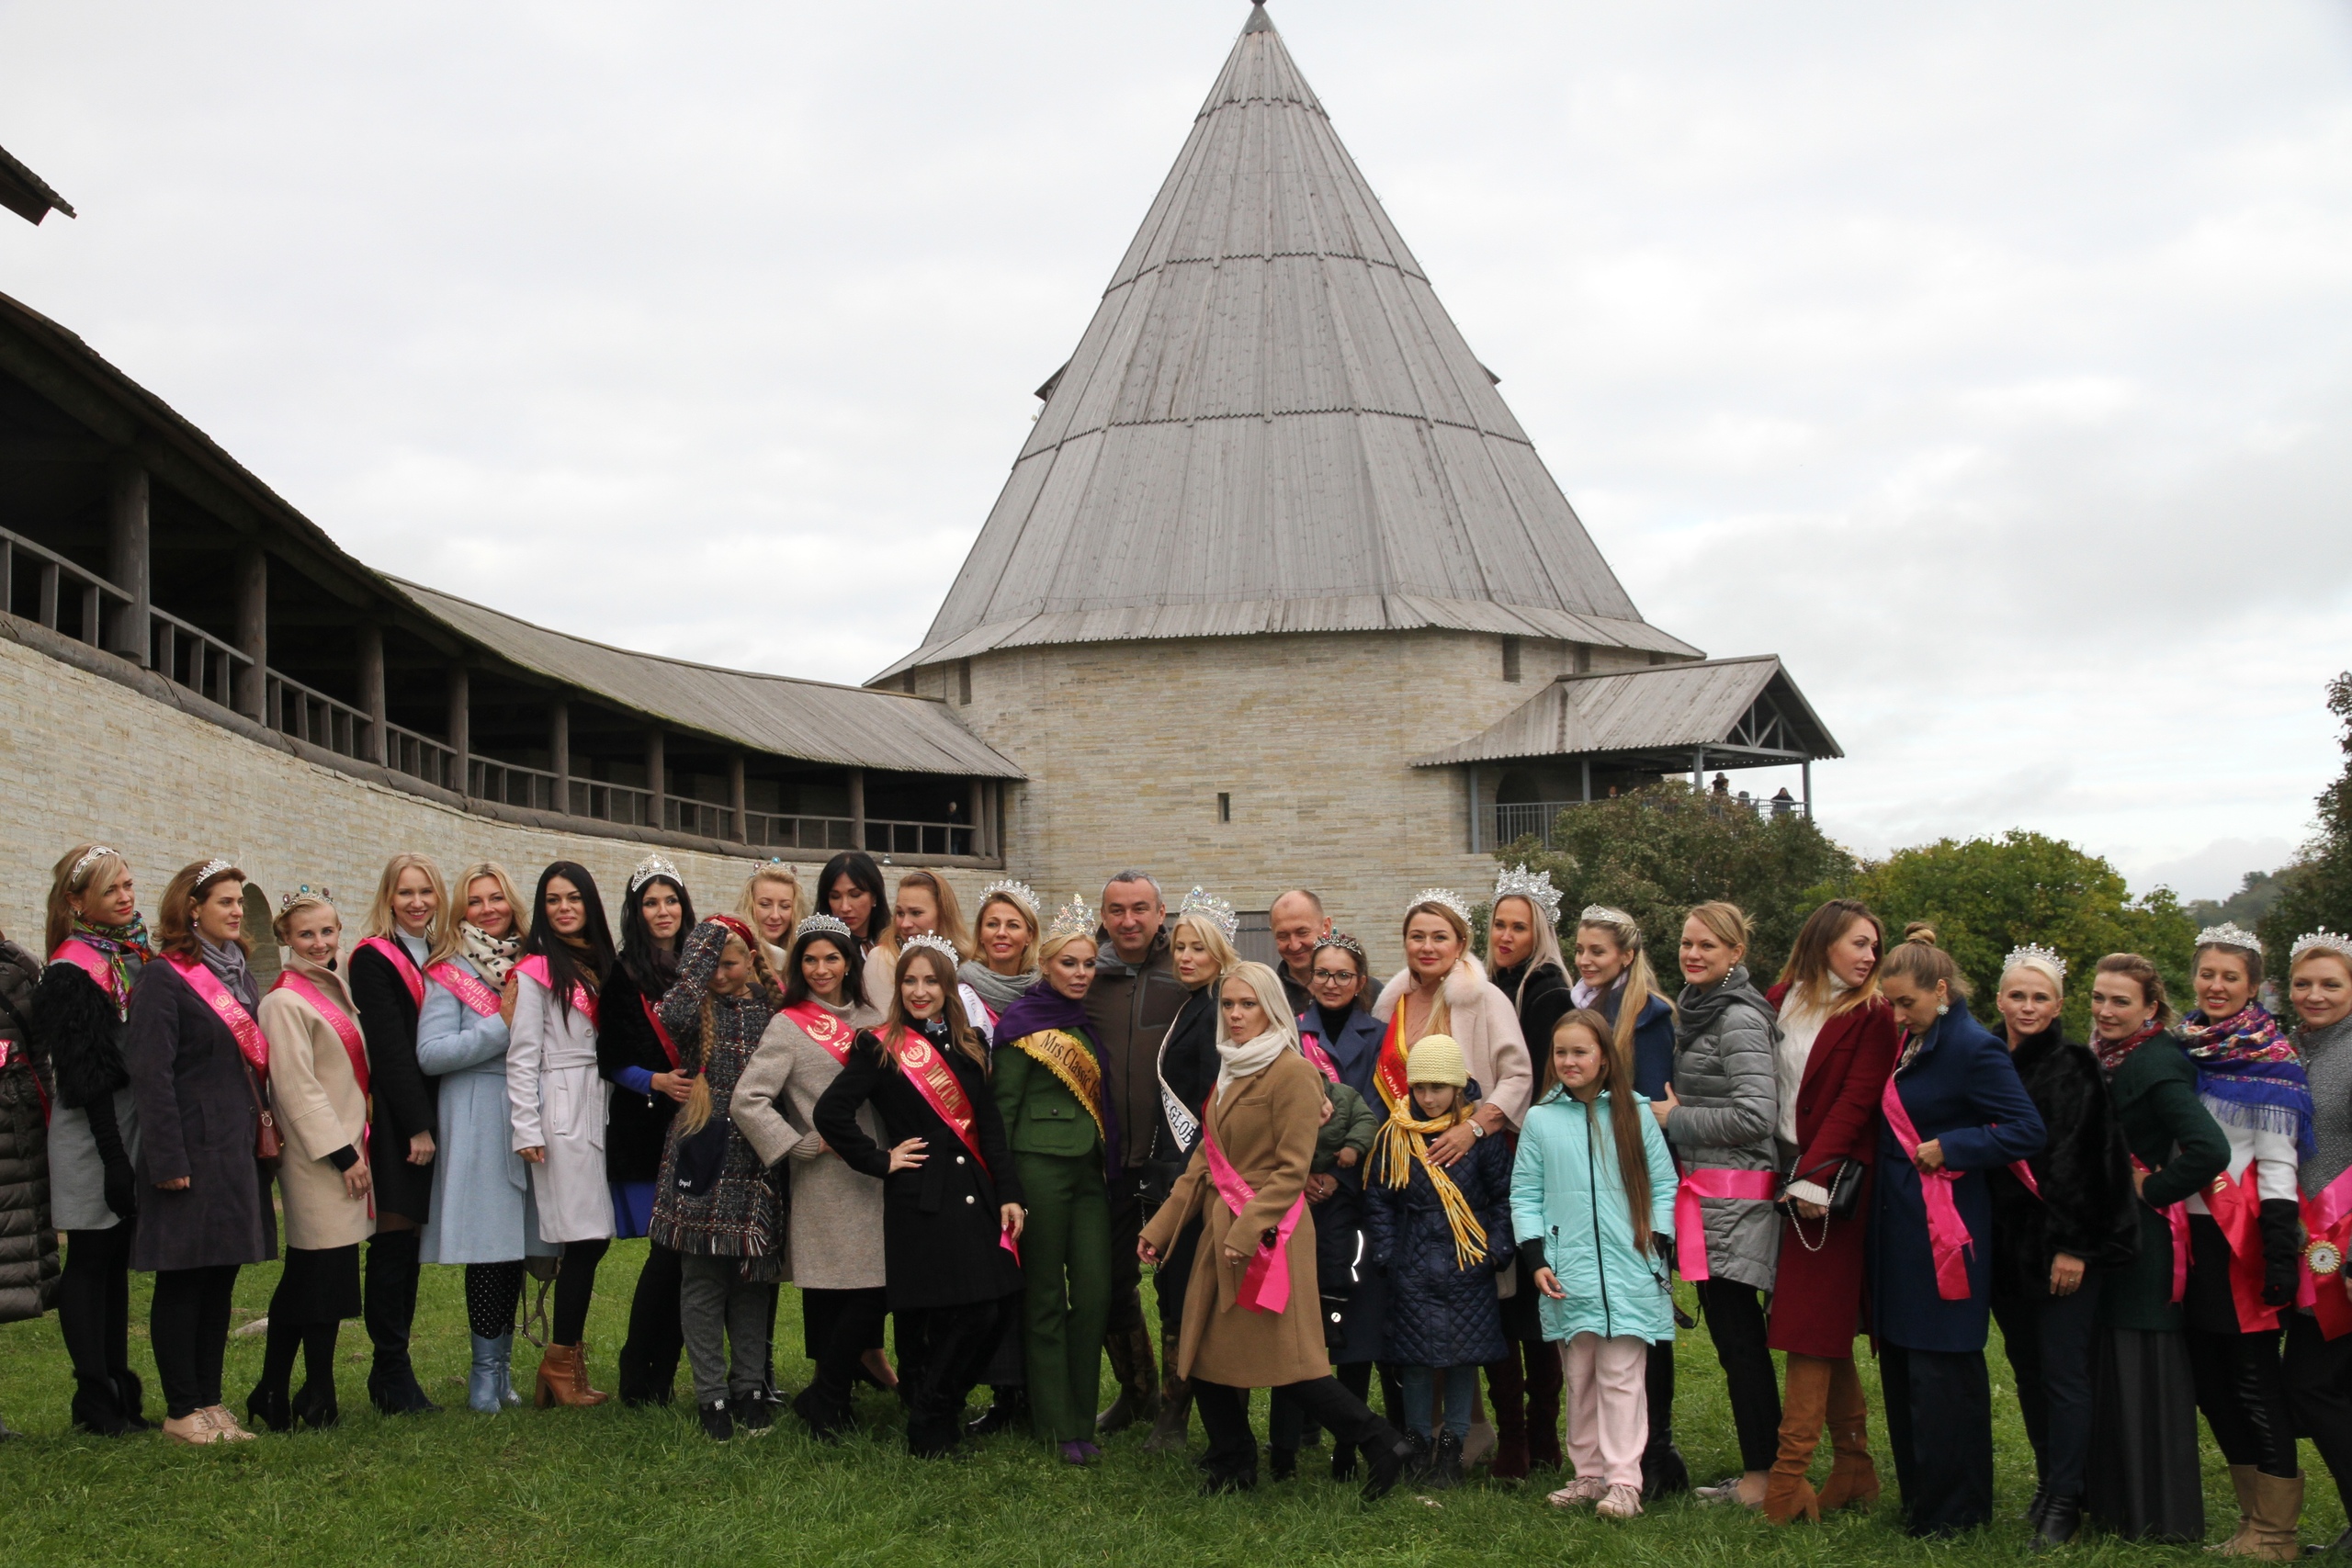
[
  {"x": 1939, "y": 1425},
  {"x": 648, "y": 1358},
  {"x": 575, "y": 1288},
  {"x": 1735, "y": 1314},
  {"x": 1169, "y": 1277},
  {"x": 188, "y": 1328},
  {"x": 94, "y": 1312},
  {"x": 2319, "y": 1391},
  {"x": 1233, "y": 1450},
  {"x": 2242, "y": 1391},
  {"x": 837, "y": 1328},
  {"x": 1286, "y": 1413},
  {"x": 2050, "y": 1342},
  {"x": 942, "y": 1352},
  {"x": 1127, "y": 1206}
]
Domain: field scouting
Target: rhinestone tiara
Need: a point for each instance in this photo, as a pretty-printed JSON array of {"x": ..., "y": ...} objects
[
  {"x": 2229, "y": 933},
  {"x": 651, "y": 867},
  {"x": 1020, "y": 892},
  {"x": 937, "y": 943},
  {"x": 1218, "y": 912},
  {"x": 304, "y": 895},
  {"x": 1073, "y": 919},
  {"x": 2035, "y": 954},
  {"x": 1445, "y": 896},
  {"x": 1536, "y": 887},
  {"x": 1344, "y": 941},
  {"x": 2322, "y": 940},
  {"x": 1603, "y": 915},
  {"x": 822, "y": 925},
  {"x": 211, "y": 869},
  {"x": 94, "y": 853}
]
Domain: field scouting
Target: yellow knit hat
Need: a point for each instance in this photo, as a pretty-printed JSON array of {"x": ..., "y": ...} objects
[{"x": 1436, "y": 1058}]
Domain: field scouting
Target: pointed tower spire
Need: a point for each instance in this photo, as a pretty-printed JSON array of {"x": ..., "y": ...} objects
[{"x": 1272, "y": 424}]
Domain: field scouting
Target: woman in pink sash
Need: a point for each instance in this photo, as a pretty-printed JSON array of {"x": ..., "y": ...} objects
[
  {"x": 1251, "y": 1311},
  {"x": 318, "y": 1085},
  {"x": 197, "y": 1061},
  {"x": 2319, "y": 1335},
  {"x": 1953, "y": 1110}
]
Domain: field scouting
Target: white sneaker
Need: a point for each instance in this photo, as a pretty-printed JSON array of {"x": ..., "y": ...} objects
[
  {"x": 1577, "y": 1493},
  {"x": 1723, "y": 1491},
  {"x": 1622, "y": 1503}
]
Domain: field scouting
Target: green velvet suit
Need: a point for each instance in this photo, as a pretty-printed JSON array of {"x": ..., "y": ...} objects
[{"x": 1065, "y": 1247}]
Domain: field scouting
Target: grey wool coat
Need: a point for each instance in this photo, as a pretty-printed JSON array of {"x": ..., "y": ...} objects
[
  {"x": 835, "y": 1222},
  {"x": 1726, "y": 1042},
  {"x": 196, "y": 1120}
]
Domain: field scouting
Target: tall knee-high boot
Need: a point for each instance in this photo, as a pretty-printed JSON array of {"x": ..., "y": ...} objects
[
  {"x": 1546, "y": 1380},
  {"x": 390, "y": 1311},
  {"x": 1130, "y": 1349},
  {"x": 1853, "y": 1478},
  {"x": 1507, "y": 1387},
  {"x": 1174, "y": 1424},
  {"x": 1805, "y": 1410}
]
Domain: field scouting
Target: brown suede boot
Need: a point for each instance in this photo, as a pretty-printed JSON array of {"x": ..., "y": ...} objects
[
  {"x": 1129, "y": 1350},
  {"x": 1173, "y": 1428},
  {"x": 2277, "y": 1508},
  {"x": 563, "y": 1378},
  {"x": 2242, "y": 1483},
  {"x": 1804, "y": 1409},
  {"x": 1853, "y": 1478}
]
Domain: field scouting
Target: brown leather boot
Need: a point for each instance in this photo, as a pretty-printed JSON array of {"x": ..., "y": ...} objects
[
  {"x": 1853, "y": 1478},
  {"x": 563, "y": 1378},
  {"x": 2277, "y": 1508},
  {"x": 2242, "y": 1483},
  {"x": 1173, "y": 1426},
  {"x": 1804, "y": 1409}
]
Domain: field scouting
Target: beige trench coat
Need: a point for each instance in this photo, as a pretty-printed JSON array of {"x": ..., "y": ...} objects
[
  {"x": 319, "y": 1110},
  {"x": 1266, "y": 1125}
]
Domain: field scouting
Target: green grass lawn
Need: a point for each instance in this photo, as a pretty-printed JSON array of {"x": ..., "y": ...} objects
[{"x": 614, "y": 1485}]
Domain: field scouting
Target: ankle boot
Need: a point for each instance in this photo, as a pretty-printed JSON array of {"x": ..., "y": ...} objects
[
  {"x": 1805, "y": 1410},
  {"x": 267, "y": 1407},
  {"x": 2278, "y": 1509},
  {"x": 485, "y": 1384},
  {"x": 1853, "y": 1477},
  {"x": 563, "y": 1378},
  {"x": 1174, "y": 1424},
  {"x": 132, "y": 1399},
  {"x": 97, "y": 1407},
  {"x": 315, "y": 1406},
  {"x": 1445, "y": 1462}
]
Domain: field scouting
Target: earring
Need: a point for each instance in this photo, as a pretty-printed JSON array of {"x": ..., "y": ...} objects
[{"x": 1942, "y": 1008}]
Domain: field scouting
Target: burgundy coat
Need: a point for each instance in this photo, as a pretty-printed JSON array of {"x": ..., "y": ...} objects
[{"x": 1817, "y": 1294}]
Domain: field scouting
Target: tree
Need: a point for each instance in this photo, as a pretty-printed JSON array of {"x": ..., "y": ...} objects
[
  {"x": 1985, "y": 897},
  {"x": 1658, "y": 851},
  {"x": 2319, "y": 886}
]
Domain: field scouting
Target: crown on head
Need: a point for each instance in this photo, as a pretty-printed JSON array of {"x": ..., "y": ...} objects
[
  {"x": 651, "y": 867},
  {"x": 1020, "y": 892},
  {"x": 1073, "y": 919},
  {"x": 937, "y": 943},
  {"x": 2322, "y": 940},
  {"x": 211, "y": 869},
  {"x": 1536, "y": 887},
  {"x": 822, "y": 925},
  {"x": 2229, "y": 933},
  {"x": 1218, "y": 912},
  {"x": 1445, "y": 896},
  {"x": 306, "y": 894},
  {"x": 1603, "y": 915},
  {"x": 2034, "y": 954},
  {"x": 94, "y": 854},
  {"x": 1344, "y": 942}
]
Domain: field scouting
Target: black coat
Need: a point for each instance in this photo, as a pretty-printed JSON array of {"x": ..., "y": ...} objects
[
  {"x": 195, "y": 1118},
  {"x": 78, "y": 1033},
  {"x": 1543, "y": 999},
  {"x": 406, "y": 1101},
  {"x": 1440, "y": 1315},
  {"x": 639, "y": 1125},
  {"x": 27, "y": 1242},
  {"x": 1188, "y": 1062},
  {"x": 940, "y": 1224},
  {"x": 2087, "y": 1207}
]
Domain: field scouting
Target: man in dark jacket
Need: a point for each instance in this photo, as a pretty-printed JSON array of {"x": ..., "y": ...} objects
[
  {"x": 1298, "y": 922},
  {"x": 1134, "y": 998}
]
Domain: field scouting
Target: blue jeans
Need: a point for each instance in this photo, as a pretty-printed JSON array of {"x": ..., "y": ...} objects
[{"x": 1461, "y": 1383}]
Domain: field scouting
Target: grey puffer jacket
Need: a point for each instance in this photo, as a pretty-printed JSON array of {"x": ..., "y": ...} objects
[
  {"x": 1726, "y": 1040},
  {"x": 28, "y": 1243}
]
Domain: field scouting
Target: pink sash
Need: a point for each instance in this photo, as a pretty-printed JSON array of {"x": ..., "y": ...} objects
[
  {"x": 2177, "y": 1221},
  {"x": 402, "y": 965},
  {"x": 934, "y": 1079},
  {"x": 90, "y": 962},
  {"x": 355, "y": 1045},
  {"x": 1265, "y": 1285},
  {"x": 466, "y": 987},
  {"x": 535, "y": 969},
  {"x": 1312, "y": 1049},
  {"x": 812, "y": 1020},
  {"x": 1690, "y": 1229},
  {"x": 1948, "y": 1236},
  {"x": 2328, "y": 1218},
  {"x": 218, "y": 997},
  {"x": 2236, "y": 1207}
]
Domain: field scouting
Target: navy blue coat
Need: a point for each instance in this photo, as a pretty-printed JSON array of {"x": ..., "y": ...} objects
[
  {"x": 1961, "y": 1088},
  {"x": 1440, "y": 1315},
  {"x": 1355, "y": 1053},
  {"x": 1342, "y": 1251},
  {"x": 1653, "y": 1042}
]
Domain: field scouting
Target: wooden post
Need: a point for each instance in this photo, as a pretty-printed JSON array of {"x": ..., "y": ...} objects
[
  {"x": 857, "y": 808},
  {"x": 461, "y": 724},
  {"x": 738, "y": 799},
  {"x": 1477, "y": 839},
  {"x": 253, "y": 631},
  {"x": 127, "y": 557},
  {"x": 655, "y": 768},
  {"x": 560, "y": 752},
  {"x": 978, "y": 805},
  {"x": 371, "y": 689}
]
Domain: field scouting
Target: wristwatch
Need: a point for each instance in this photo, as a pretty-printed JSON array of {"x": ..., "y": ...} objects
[{"x": 1478, "y": 1128}]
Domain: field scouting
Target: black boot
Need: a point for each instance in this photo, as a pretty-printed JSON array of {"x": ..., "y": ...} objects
[
  {"x": 1386, "y": 1454},
  {"x": 2061, "y": 1519},
  {"x": 97, "y": 1408},
  {"x": 390, "y": 1310},
  {"x": 826, "y": 1419},
  {"x": 1445, "y": 1464},
  {"x": 1282, "y": 1463},
  {"x": 1009, "y": 1408},
  {"x": 1663, "y": 1471},
  {"x": 2032, "y": 1513},
  {"x": 314, "y": 1404},
  {"x": 268, "y": 1407},
  {"x": 131, "y": 1399}
]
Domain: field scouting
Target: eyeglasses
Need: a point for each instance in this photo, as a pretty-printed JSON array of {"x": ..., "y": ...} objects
[{"x": 1335, "y": 976}]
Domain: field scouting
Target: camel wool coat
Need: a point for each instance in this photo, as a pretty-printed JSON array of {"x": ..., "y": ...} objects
[
  {"x": 1484, "y": 1023},
  {"x": 319, "y": 1110},
  {"x": 1266, "y": 1125}
]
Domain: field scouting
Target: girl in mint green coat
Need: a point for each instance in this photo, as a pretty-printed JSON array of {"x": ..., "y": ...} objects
[{"x": 1592, "y": 1205}]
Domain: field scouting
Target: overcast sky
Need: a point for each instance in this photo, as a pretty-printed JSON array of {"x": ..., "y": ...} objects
[{"x": 1992, "y": 365}]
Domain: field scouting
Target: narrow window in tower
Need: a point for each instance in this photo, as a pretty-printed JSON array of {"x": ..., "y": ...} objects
[
  {"x": 963, "y": 683},
  {"x": 1510, "y": 660},
  {"x": 1224, "y": 807}
]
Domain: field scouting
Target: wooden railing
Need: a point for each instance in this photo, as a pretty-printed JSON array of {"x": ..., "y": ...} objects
[
  {"x": 62, "y": 585},
  {"x": 687, "y": 816},
  {"x": 291, "y": 708},
  {"x": 919, "y": 838},
  {"x": 509, "y": 784},
  {"x": 768, "y": 830},
  {"x": 420, "y": 757},
  {"x": 194, "y": 658},
  {"x": 611, "y": 802}
]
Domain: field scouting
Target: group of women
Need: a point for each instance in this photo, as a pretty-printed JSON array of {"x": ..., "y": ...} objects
[{"x": 1495, "y": 1167}]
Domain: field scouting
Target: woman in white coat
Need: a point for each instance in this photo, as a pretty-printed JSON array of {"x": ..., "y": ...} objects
[
  {"x": 318, "y": 1086},
  {"x": 482, "y": 1214},
  {"x": 558, "y": 1102}
]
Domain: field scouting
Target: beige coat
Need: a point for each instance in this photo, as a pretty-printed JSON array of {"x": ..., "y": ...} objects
[
  {"x": 1484, "y": 1023},
  {"x": 1266, "y": 1125},
  {"x": 319, "y": 1110},
  {"x": 835, "y": 1227}
]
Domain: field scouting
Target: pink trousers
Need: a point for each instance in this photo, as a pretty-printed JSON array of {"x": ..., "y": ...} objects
[{"x": 1609, "y": 1413}]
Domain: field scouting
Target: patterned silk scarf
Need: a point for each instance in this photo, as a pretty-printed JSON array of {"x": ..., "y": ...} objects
[{"x": 2249, "y": 1076}]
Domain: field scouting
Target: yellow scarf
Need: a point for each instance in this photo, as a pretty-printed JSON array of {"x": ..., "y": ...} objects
[{"x": 1404, "y": 1140}]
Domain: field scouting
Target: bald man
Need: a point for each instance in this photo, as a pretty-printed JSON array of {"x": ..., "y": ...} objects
[{"x": 1298, "y": 921}]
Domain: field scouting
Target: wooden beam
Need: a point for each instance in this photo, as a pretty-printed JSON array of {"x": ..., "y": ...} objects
[
  {"x": 856, "y": 813},
  {"x": 559, "y": 751},
  {"x": 127, "y": 557},
  {"x": 461, "y": 720},
  {"x": 738, "y": 798},
  {"x": 371, "y": 689},
  {"x": 253, "y": 628}
]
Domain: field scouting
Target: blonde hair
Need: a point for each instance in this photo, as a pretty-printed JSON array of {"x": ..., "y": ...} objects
[
  {"x": 447, "y": 941},
  {"x": 748, "y": 905},
  {"x": 1917, "y": 959},
  {"x": 380, "y": 919},
  {"x": 1547, "y": 942},
  {"x": 1053, "y": 945},
  {"x": 1220, "y": 950},
  {"x": 1441, "y": 1018},
  {"x": 1728, "y": 923},
  {"x": 1030, "y": 958},
  {"x": 66, "y": 884},
  {"x": 950, "y": 924},
  {"x": 282, "y": 928},
  {"x": 1640, "y": 979}
]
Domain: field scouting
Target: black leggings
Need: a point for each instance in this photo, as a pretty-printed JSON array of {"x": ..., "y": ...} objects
[
  {"x": 2242, "y": 1390},
  {"x": 1225, "y": 1416},
  {"x": 493, "y": 1292},
  {"x": 94, "y": 1304},
  {"x": 575, "y": 1287},
  {"x": 188, "y": 1328},
  {"x": 1735, "y": 1314}
]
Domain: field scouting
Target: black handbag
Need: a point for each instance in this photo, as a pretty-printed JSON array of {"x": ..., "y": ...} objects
[{"x": 1844, "y": 1186}]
